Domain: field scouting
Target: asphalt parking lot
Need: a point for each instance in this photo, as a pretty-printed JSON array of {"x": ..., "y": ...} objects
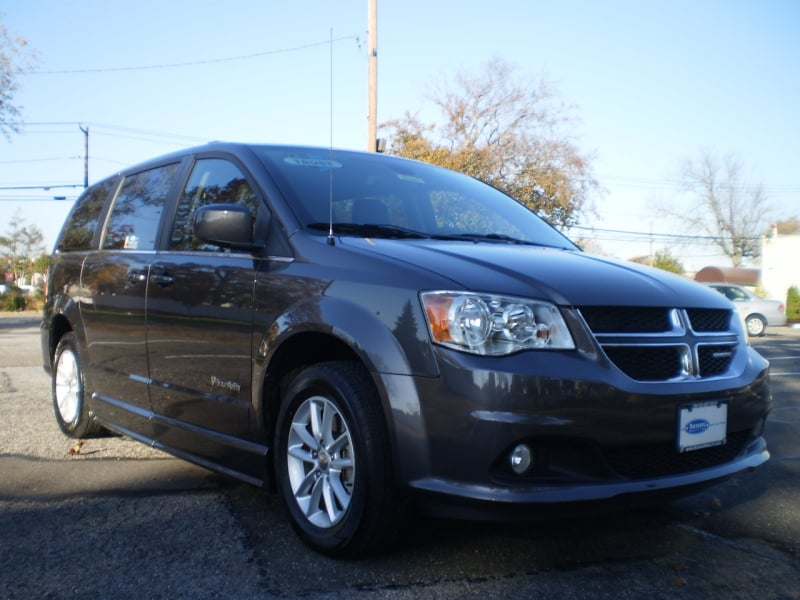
[{"x": 115, "y": 518}]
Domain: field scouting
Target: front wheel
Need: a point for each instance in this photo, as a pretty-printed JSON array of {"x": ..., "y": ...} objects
[
  {"x": 332, "y": 460},
  {"x": 69, "y": 400},
  {"x": 755, "y": 325}
]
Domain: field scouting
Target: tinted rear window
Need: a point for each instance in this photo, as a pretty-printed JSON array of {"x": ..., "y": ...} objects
[{"x": 80, "y": 228}]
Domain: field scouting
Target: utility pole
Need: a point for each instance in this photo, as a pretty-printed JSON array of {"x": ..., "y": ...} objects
[
  {"x": 85, "y": 155},
  {"x": 372, "y": 29}
]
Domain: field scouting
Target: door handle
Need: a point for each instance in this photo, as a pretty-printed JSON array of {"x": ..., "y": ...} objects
[
  {"x": 136, "y": 276},
  {"x": 162, "y": 279}
]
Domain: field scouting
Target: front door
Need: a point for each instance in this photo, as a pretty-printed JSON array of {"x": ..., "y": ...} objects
[{"x": 200, "y": 322}]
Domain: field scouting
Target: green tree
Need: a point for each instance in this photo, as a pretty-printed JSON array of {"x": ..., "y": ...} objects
[
  {"x": 664, "y": 260},
  {"x": 510, "y": 132},
  {"x": 41, "y": 263},
  {"x": 725, "y": 206},
  {"x": 14, "y": 56},
  {"x": 21, "y": 244}
]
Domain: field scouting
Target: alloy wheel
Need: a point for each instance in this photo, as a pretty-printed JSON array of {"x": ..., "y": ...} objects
[
  {"x": 68, "y": 386},
  {"x": 321, "y": 461}
]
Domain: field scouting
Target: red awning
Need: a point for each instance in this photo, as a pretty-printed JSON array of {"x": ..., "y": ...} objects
[{"x": 737, "y": 275}]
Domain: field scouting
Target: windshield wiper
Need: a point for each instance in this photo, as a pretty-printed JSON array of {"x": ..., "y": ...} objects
[
  {"x": 486, "y": 237},
  {"x": 370, "y": 230},
  {"x": 396, "y": 232}
]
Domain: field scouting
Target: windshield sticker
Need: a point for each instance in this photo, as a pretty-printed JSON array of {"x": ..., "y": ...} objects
[
  {"x": 410, "y": 178},
  {"x": 312, "y": 162}
]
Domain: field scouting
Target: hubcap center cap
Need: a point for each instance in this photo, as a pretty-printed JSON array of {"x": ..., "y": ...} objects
[{"x": 323, "y": 460}]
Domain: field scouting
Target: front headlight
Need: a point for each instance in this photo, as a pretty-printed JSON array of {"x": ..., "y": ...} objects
[{"x": 494, "y": 325}]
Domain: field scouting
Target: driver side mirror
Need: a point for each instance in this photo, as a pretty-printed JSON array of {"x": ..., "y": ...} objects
[{"x": 229, "y": 225}]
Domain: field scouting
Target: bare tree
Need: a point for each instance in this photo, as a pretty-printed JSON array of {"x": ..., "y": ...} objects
[
  {"x": 512, "y": 133},
  {"x": 14, "y": 55},
  {"x": 725, "y": 207}
]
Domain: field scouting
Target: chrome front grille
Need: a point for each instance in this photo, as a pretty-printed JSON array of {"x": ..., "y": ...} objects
[{"x": 665, "y": 344}]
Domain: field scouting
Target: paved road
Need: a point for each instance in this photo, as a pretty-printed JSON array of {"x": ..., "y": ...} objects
[{"x": 116, "y": 518}]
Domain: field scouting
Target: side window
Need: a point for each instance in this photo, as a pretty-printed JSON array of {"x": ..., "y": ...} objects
[
  {"x": 212, "y": 181},
  {"x": 730, "y": 293},
  {"x": 737, "y": 295},
  {"x": 134, "y": 218},
  {"x": 81, "y": 226}
]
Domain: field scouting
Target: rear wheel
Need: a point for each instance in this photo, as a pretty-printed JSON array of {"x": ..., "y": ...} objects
[
  {"x": 755, "y": 325},
  {"x": 69, "y": 401},
  {"x": 332, "y": 461}
]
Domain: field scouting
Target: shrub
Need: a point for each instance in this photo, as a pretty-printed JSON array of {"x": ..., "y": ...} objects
[
  {"x": 34, "y": 300},
  {"x": 13, "y": 300},
  {"x": 793, "y": 304}
]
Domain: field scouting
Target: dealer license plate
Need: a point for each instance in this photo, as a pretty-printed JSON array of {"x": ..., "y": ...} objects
[{"x": 702, "y": 425}]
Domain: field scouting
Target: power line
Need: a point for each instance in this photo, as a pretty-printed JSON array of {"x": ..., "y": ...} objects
[
  {"x": 161, "y": 134},
  {"x": 189, "y": 63},
  {"x": 34, "y": 160},
  {"x": 658, "y": 236},
  {"x": 678, "y": 186},
  {"x": 140, "y": 138},
  {"x": 39, "y": 187},
  {"x": 109, "y": 129},
  {"x": 606, "y": 179},
  {"x": 38, "y": 199}
]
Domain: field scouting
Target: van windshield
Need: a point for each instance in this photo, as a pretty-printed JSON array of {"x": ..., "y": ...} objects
[{"x": 403, "y": 198}]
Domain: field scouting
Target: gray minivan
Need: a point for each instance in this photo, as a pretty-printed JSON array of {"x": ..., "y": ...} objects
[{"x": 372, "y": 336}]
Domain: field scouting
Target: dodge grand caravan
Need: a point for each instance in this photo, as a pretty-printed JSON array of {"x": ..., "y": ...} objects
[{"x": 368, "y": 335}]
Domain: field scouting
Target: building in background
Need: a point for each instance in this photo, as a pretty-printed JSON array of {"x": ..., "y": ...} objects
[{"x": 780, "y": 263}]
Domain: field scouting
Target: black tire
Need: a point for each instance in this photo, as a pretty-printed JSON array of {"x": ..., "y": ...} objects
[
  {"x": 340, "y": 495},
  {"x": 756, "y": 326},
  {"x": 69, "y": 401}
]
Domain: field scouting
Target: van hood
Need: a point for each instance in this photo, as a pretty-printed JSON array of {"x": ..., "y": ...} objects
[{"x": 566, "y": 277}]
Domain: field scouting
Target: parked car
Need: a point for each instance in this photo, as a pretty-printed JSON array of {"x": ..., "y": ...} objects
[
  {"x": 27, "y": 288},
  {"x": 22, "y": 287},
  {"x": 758, "y": 313},
  {"x": 369, "y": 335}
]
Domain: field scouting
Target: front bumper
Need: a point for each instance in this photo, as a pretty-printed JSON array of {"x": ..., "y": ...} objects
[{"x": 595, "y": 434}]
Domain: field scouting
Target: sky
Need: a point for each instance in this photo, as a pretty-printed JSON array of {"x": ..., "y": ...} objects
[{"x": 651, "y": 84}]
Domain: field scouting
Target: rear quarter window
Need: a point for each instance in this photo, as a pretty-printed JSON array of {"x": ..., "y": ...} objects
[{"x": 81, "y": 226}]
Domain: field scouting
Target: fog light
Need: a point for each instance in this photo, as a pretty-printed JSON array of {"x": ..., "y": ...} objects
[
  {"x": 521, "y": 458},
  {"x": 758, "y": 430}
]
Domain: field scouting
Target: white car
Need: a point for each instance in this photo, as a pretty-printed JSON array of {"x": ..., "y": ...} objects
[{"x": 758, "y": 313}]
